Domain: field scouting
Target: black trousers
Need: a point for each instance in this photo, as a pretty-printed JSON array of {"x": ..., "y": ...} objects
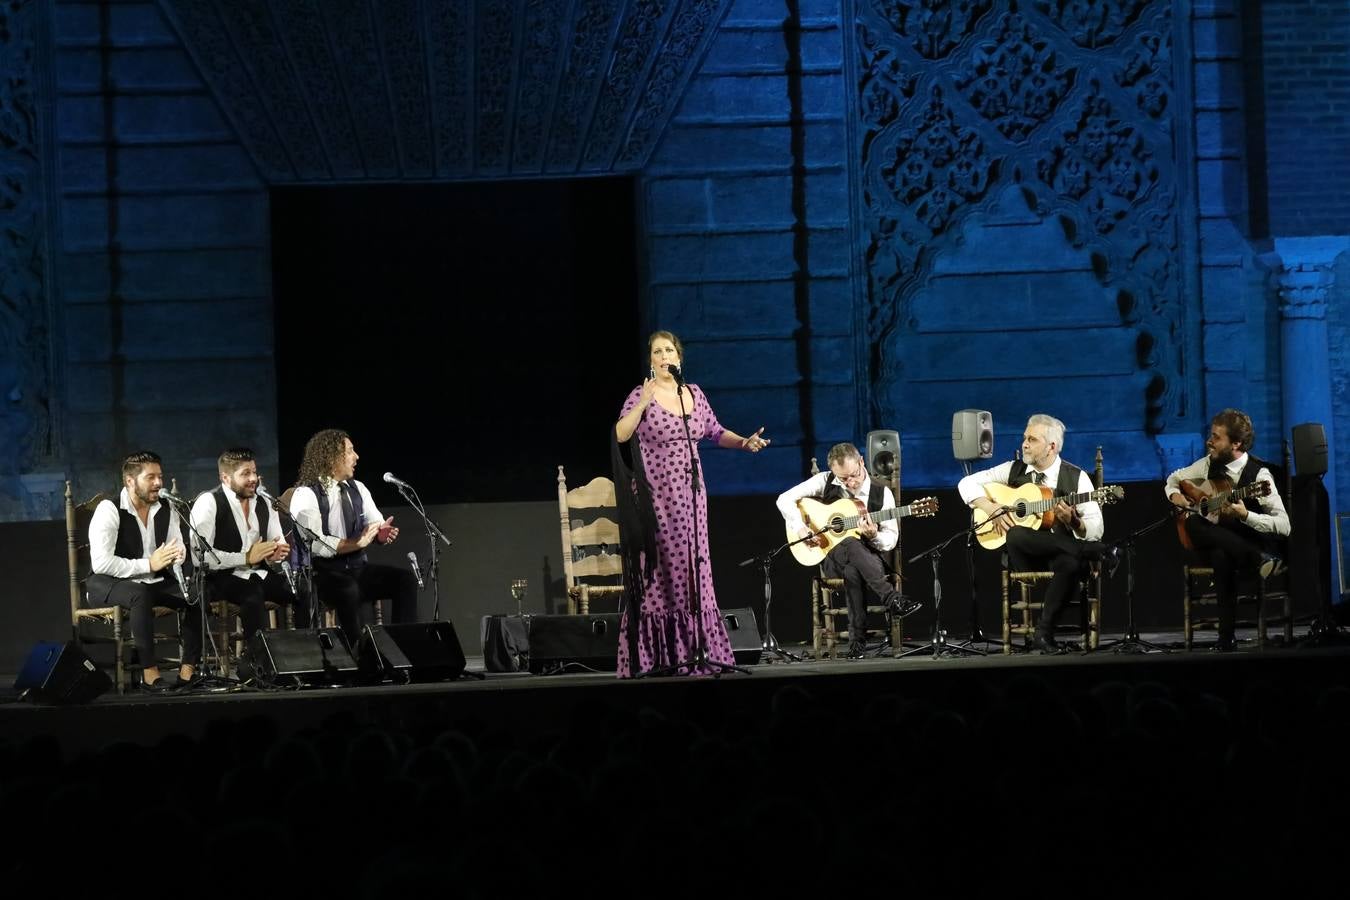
[
  {"x": 1031, "y": 550},
  {"x": 141, "y": 600},
  {"x": 252, "y": 595},
  {"x": 352, "y": 593},
  {"x": 863, "y": 572},
  {"x": 1231, "y": 549}
]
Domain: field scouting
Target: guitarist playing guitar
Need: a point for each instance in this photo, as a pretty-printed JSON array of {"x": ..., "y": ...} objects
[
  {"x": 857, "y": 560},
  {"x": 1232, "y": 534},
  {"x": 1066, "y": 548}
]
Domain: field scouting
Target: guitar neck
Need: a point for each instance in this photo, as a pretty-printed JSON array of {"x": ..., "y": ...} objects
[
  {"x": 1040, "y": 506},
  {"x": 882, "y": 515},
  {"x": 1242, "y": 493}
]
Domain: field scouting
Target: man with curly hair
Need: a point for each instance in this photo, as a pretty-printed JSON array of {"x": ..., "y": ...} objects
[{"x": 331, "y": 503}]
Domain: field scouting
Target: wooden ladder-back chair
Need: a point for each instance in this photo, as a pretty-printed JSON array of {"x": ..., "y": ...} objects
[
  {"x": 1088, "y": 600},
  {"x": 79, "y": 568},
  {"x": 1199, "y": 603},
  {"x": 592, "y": 561}
]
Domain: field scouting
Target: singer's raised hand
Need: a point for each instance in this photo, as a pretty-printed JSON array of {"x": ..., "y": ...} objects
[
  {"x": 283, "y": 550},
  {"x": 387, "y": 532},
  {"x": 260, "y": 551},
  {"x": 166, "y": 554},
  {"x": 369, "y": 534}
]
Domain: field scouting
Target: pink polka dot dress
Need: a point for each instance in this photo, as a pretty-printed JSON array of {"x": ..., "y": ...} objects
[{"x": 666, "y": 628}]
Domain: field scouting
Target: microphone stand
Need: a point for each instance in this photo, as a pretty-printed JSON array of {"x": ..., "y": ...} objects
[
  {"x": 700, "y": 658},
  {"x": 306, "y": 573},
  {"x": 933, "y": 554},
  {"x": 770, "y": 644},
  {"x": 433, "y": 533},
  {"x": 1131, "y": 642},
  {"x": 197, "y": 589}
]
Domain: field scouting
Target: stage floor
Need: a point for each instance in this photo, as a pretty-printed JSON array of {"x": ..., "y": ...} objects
[{"x": 544, "y": 703}]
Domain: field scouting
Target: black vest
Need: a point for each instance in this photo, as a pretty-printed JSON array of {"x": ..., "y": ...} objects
[
  {"x": 129, "y": 543},
  {"x": 228, "y": 537},
  {"x": 1247, "y": 477},
  {"x": 354, "y": 517},
  {"x": 1067, "y": 483},
  {"x": 876, "y": 495}
]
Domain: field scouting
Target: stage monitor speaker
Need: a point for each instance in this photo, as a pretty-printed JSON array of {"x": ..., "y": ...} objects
[
  {"x": 588, "y": 641},
  {"x": 61, "y": 673},
  {"x": 973, "y": 434},
  {"x": 309, "y": 656},
  {"x": 746, "y": 644},
  {"x": 1310, "y": 449},
  {"x": 408, "y": 652},
  {"x": 883, "y": 454}
]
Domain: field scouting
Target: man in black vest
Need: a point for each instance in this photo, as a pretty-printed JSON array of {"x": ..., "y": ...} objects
[
  {"x": 136, "y": 550},
  {"x": 331, "y": 503},
  {"x": 856, "y": 560},
  {"x": 1245, "y": 537},
  {"x": 1064, "y": 549},
  {"x": 245, "y": 533}
]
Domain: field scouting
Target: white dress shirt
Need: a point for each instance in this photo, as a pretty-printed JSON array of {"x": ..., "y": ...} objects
[
  {"x": 103, "y": 528},
  {"x": 972, "y": 487},
  {"x": 1273, "y": 521},
  {"x": 888, "y": 533},
  {"x": 305, "y": 510},
  {"x": 204, "y": 520}
]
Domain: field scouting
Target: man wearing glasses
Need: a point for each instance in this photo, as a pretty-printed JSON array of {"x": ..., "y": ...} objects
[{"x": 857, "y": 561}]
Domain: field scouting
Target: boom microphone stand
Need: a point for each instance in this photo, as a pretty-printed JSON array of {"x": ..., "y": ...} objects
[
  {"x": 976, "y": 635},
  {"x": 700, "y": 658},
  {"x": 195, "y": 595},
  {"x": 933, "y": 554},
  {"x": 766, "y": 564},
  {"x": 409, "y": 494},
  {"x": 1131, "y": 642}
]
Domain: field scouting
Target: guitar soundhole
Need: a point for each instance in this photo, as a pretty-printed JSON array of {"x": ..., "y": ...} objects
[
  {"x": 1021, "y": 508},
  {"x": 837, "y": 526}
]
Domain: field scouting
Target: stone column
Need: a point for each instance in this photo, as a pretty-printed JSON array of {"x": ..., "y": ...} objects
[{"x": 1304, "y": 282}]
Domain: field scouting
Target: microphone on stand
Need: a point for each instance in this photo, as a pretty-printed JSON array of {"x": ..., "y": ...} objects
[
  {"x": 398, "y": 482},
  {"x": 169, "y": 495},
  {"x": 676, "y": 374},
  {"x": 417, "y": 572},
  {"x": 182, "y": 583},
  {"x": 289, "y": 573}
]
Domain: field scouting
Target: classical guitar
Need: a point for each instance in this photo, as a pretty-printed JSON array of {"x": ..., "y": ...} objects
[
  {"x": 1032, "y": 506},
  {"x": 840, "y": 519},
  {"x": 1209, "y": 497}
]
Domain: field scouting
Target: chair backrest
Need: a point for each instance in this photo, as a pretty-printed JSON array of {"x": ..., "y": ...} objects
[
  {"x": 78, "y": 516},
  {"x": 589, "y": 532}
]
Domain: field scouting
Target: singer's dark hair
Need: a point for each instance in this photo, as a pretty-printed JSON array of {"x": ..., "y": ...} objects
[
  {"x": 233, "y": 458},
  {"x": 322, "y": 452},
  {"x": 658, "y": 335},
  {"x": 134, "y": 464},
  {"x": 1238, "y": 426}
]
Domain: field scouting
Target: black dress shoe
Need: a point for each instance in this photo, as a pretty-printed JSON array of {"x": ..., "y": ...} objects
[
  {"x": 856, "y": 650},
  {"x": 1046, "y": 644},
  {"x": 159, "y": 686},
  {"x": 1225, "y": 644},
  {"x": 901, "y": 606}
]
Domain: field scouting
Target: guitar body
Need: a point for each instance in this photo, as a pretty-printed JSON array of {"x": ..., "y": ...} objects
[
  {"x": 1198, "y": 492},
  {"x": 1003, "y": 495},
  {"x": 827, "y": 517}
]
